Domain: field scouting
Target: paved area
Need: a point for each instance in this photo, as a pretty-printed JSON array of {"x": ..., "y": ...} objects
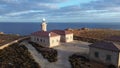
[
  {"x": 64, "y": 51},
  {"x": 67, "y": 49}
]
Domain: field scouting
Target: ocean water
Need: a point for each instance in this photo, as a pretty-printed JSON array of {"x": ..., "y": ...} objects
[{"x": 27, "y": 28}]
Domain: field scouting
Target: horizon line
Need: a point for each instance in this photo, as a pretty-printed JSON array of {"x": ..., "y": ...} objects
[{"x": 60, "y": 22}]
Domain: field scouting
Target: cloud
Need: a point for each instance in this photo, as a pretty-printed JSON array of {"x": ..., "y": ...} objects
[
  {"x": 32, "y": 1},
  {"x": 48, "y": 6},
  {"x": 10, "y": 6},
  {"x": 97, "y": 6},
  {"x": 23, "y": 12},
  {"x": 101, "y": 4},
  {"x": 36, "y": 9}
]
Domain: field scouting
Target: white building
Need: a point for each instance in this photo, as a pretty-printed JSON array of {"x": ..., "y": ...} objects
[
  {"x": 51, "y": 38},
  {"x": 106, "y": 52}
]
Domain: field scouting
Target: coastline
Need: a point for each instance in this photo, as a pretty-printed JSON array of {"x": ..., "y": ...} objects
[
  {"x": 28, "y": 28},
  {"x": 82, "y": 34}
]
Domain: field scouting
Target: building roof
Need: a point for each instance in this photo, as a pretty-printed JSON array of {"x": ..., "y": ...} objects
[
  {"x": 107, "y": 45},
  {"x": 44, "y": 34},
  {"x": 114, "y": 38},
  {"x": 61, "y": 32},
  {"x": 51, "y": 33}
]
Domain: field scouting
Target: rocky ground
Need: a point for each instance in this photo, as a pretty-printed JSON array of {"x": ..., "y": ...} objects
[{"x": 17, "y": 56}]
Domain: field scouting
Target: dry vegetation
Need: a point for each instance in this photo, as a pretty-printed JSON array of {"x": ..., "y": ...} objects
[
  {"x": 78, "y": 61},
  {"x": 6, "y": 38},
  {"x": 95, "y": 34},
  {"x": 16, "y": 56},
  {"x": 48, "y": 53}
]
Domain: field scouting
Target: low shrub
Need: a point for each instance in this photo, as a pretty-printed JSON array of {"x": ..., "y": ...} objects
[
  {"x": 77, "y": 61},
  {"x": 48, "y": 53},
  {"x": 16, "y": 56},
  {"x": 111, "y": 66}
]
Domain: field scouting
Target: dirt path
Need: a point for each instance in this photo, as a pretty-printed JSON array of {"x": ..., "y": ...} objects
[{"x": 37, "y": 56}]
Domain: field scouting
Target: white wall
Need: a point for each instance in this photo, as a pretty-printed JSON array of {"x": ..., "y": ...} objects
[
  {"x": 44, "y": 41},
  {"x": 119, "y": 60},
  {"x": 102, "y": 56},
  {"x": 54, "y": 41},
  {"x": 69, "y": 38}
]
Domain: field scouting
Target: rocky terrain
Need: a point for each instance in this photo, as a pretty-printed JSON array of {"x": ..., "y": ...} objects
[
  {"x": 17, "y": 56},
  {"x": 94, "y": 35}
]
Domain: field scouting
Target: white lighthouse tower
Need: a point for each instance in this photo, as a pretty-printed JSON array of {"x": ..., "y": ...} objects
[{"x": 43, "y": 25}]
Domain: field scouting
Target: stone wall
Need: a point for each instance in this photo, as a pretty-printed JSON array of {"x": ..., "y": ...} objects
[
  {"x": 90, "y": 40},
  {"x": 15, "y": 41}
]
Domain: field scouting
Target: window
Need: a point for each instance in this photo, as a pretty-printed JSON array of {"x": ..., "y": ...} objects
[
  {"x": 57, "y": 40},
  {"x": 108, "y": 57},
  {"x": 41, "y": 40},
  {"x": 37, "y": 39},
  {"x": 96, "y": 54}
]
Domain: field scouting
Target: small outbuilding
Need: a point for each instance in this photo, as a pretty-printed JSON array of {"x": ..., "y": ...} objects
[{"x": 105, "y": 52}]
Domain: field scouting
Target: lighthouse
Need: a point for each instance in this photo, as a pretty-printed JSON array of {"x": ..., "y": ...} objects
[
  {"x": 50, "y": 38},
  {"x": 44, "y": 25}
]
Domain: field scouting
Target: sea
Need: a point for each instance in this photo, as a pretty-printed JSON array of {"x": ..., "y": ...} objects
[{"x": 26, "y": 28}]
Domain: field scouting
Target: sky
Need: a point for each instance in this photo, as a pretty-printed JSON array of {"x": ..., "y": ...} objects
[{"x": 60, "y": 10}]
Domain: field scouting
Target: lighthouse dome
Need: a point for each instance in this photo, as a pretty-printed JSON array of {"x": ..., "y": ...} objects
[{"x": 43, "y": 19}]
